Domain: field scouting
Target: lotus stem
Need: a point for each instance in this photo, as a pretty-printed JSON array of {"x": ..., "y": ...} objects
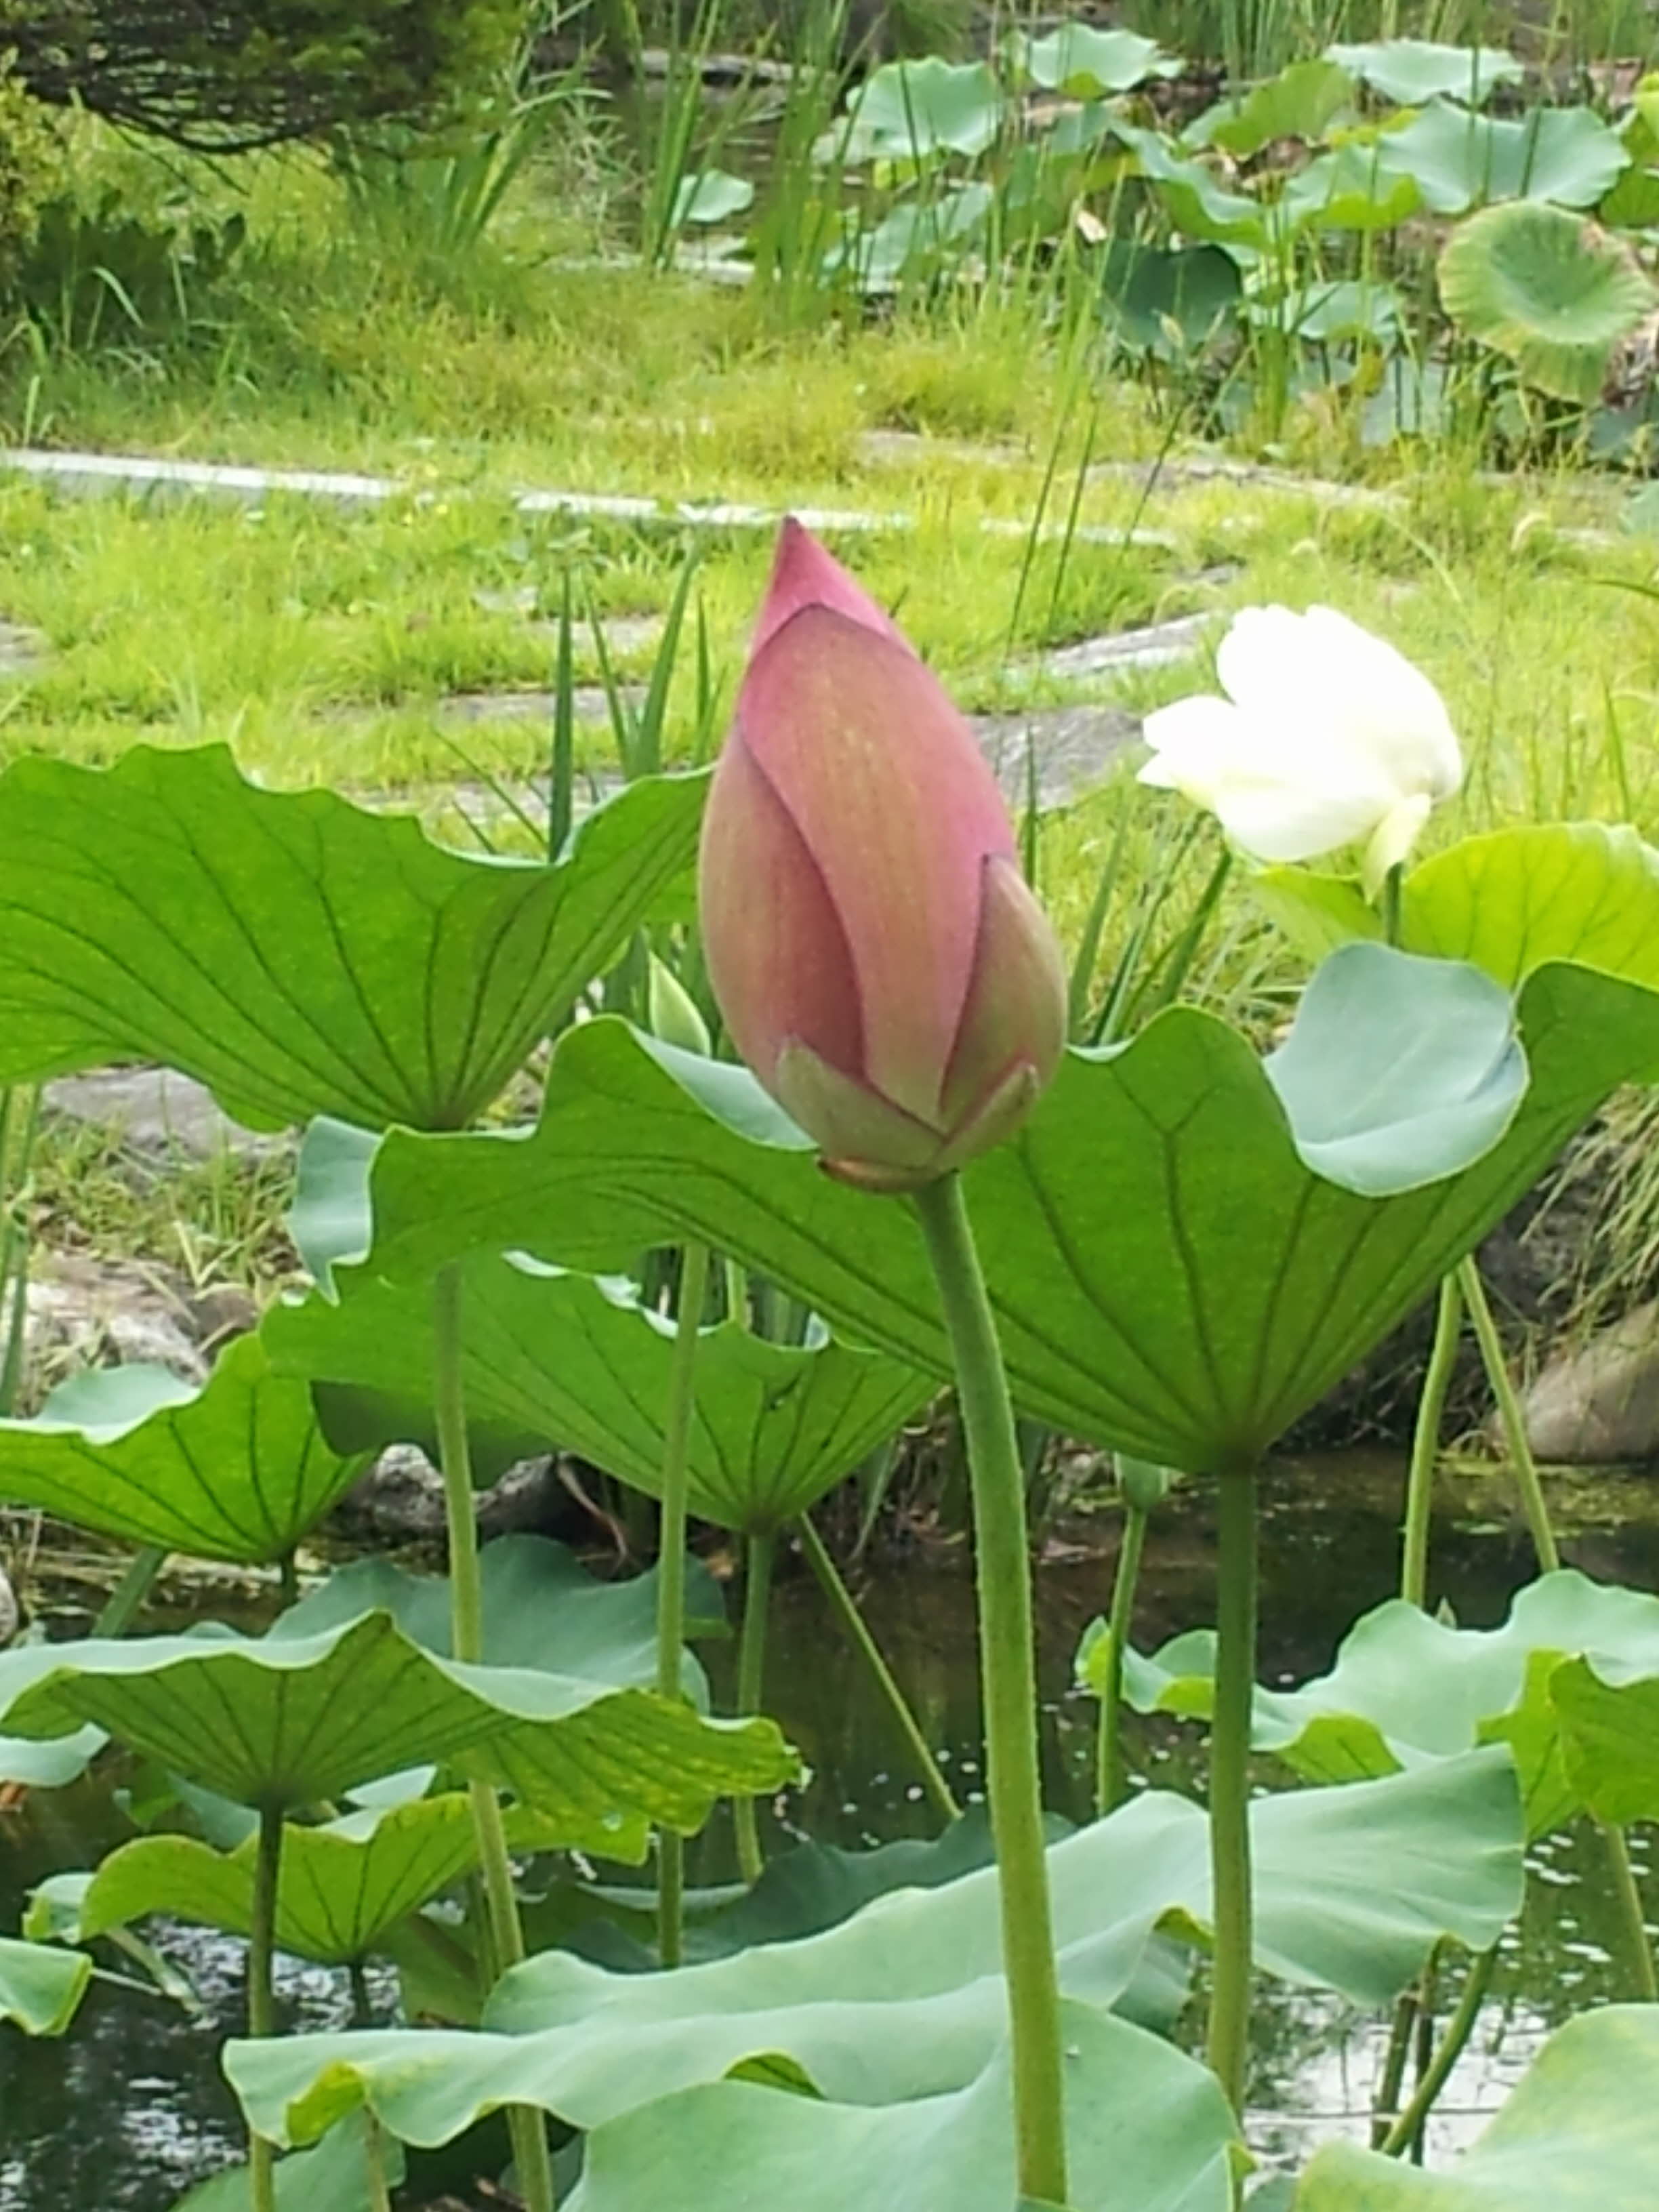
[
  {"x": 1426, "y": 1443},
  {"x": 1229, "y": 2040},
  {"x": 671, "y": 1569},
  {"x": 1638, "y": 1943},
  {"x": 752, "y": 1686},
  {"x": 1109, "y": 1789},
  {"x": 261, "y": 1995},
  {"x": 379, "y": 2186},
  {"x": 125, "y": 1602},
  {"x": 1394, "y": 2067},
  {"x": 842, "y": 1604},
  {"x": 1408, "y": 2129},
  {"x": 1008, "y": 1673},
  {"x": 527, "y": 2127},
  {"x": 1522, "y": 1465}
]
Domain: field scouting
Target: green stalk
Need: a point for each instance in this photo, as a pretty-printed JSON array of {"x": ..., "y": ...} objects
[
  {"x": 1008, "y": 1673},
  {"x": 1522, "y": 1465},
  {"x": 122, "y": 1605},
  {"x": 1407, "y": 2129},
  {"x": 671, "y": 1569},
  {"x": 1229, "y": 2041},
  {"x": 528, "y": 2129},
  {"x": 1109, "y": 1743},
  {"x": 1426, "y": 1443},
  {"x": 380, "y": 2189},
  {"x": 751, "y": 1684},
  {"x": 261, "y": 1996},
  {"x": 1394, "y": 2067},
  {"x": 1641, "y": 1961},
  {"x": 817, "y": 1554}
]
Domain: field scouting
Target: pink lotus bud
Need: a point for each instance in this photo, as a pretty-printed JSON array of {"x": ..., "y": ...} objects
[{"x": 877, "y": 958}]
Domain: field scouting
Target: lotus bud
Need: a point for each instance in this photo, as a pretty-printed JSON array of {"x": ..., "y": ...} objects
[
  {"x": 878, "y": 957},
  {"x": 1327, "y": 737},
  {"x": 672, "y": 1012}
]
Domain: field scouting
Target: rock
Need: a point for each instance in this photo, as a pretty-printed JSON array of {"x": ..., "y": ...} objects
[
  {"x": 23, "y": 651},
  {"x": 1154, "y": 645},
  {"x": 1071, "y": 747},
  {"x": 401, "y": 1499},
  {"x": 88, "y": 1313},
  {"x": 156, "y": 1110},
  {"x": 1599, "y": 1402}
]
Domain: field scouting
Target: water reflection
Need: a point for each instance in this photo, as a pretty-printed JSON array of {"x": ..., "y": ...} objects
[{"x": 131, "y": 2107}]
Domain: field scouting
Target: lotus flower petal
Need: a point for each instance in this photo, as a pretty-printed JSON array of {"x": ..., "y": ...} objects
[
  {"x": 1013, "y": 1018},
  {"x": 780, "y": 959},
  {"x": 851, "y": 1122},
  {"x": 881, "y": 776},
  {"x": 805, "y": 576}
]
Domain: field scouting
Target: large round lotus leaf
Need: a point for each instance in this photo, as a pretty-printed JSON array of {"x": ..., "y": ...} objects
[
  {"x": 1412, "y": 70},
  {"x": 1461, "y": 161},
  {"x": 1086, "y": 64},
  {"x": 1552, "y": 291}
]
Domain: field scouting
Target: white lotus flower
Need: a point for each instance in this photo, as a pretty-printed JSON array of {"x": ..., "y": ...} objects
[{"x": 1327, "y": 737}]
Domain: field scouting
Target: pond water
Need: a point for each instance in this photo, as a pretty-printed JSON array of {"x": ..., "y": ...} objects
[{"x": 130, "y": 2108}]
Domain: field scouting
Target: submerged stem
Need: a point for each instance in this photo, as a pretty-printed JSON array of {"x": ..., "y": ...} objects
[
  {"x": 671, "y": 1569},
  {"x": 527, "y": 2128},
  {"x": 842, "y": 1604},
  {"x": 752, "y": 1686},
  {"x": 1426, "y": 1443},
  {"x": 1108, "y": 1741},
  {"x": 1229, "y": 2040},
  {"x": 1641, "y": 1961},
  {"x": 261, "y": 1992},
  {"x": 1522, "y": 1465},
  {"x": 1008, "y": 1673},
  {"x": 1408, "y": 2128}
]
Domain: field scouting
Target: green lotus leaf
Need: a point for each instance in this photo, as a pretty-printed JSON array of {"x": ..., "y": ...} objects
[
  {"x": 905, "y": 1999},
  {"x": 299, "y": 1721},
  {"x": 1551, "y": 291},
  {"x": 542, "y": 1609},
  {"x": 1510, "y": 902},
  {"x": 296, "y": 954},
  {"x": 1405, "y": 1690},
  {"x": 1146, "y": 2126},
  {"x": 332, "y": 2177},
  {"x": 1172, "y": 1276},
  {"x": 557, "y": 1359},
  {"x": 916, "y": 111},
  {"x": 1350, "y": 188},
  {"x": 1302, "y": 102},
  {"x": 40, "y": 1989},
  {"x": 1578, "y": 2133},
  {"x": 1086, "y": 63},
  {"x": 342, "y": 1886},
  {"x": 1413, "y": 71},
  {"x": 1460, "y": 161},
  {"x": 1167, "y": 300},
  {"x": 1197, "y": 205},
  {"x": 237, "y": 1470}
]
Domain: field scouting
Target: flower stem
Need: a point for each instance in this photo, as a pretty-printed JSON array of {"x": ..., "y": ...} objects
[
  {"x": 379, "y": 2188},
  {"x": 261, "y": 1995},
  {"x": 1228, "y": 2046},
  {"x": 752, "y": 1686},
  {"x": 1008, "y": 1671},
  {"x": 816, "y": 1555},
  {"x": 1426, "y": 1443},
  {"x": 1522, "y": 1465},
  {"x": 670, "y": 1570},
  {"x": 1641, "y": 1961},
  {"x": 126, "y": 1601},
  {"x": 1406, "y": 2130},
  {"x": 527, "y": 2128},
  {"x": 1108, "y": 1750}
]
